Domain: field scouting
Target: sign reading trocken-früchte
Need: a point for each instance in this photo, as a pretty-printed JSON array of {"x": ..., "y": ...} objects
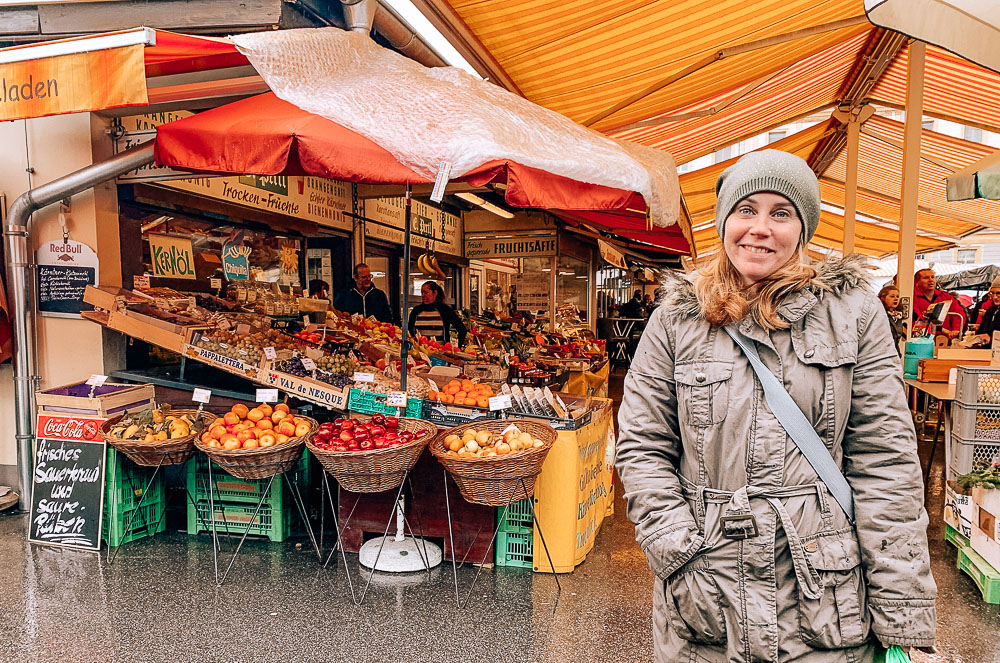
[{"x": 483, "y": 246}]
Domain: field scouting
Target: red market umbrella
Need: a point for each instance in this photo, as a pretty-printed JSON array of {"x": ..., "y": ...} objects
[{"x": 264, "y": 135}]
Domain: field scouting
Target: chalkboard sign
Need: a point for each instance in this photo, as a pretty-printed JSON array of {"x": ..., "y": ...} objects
[
  {"x": 65, "y": 269},
  {"x": 67, "y": 486}
]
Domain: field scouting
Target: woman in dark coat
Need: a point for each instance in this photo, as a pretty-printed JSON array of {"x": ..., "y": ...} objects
[{"x": 435, "y": 319}]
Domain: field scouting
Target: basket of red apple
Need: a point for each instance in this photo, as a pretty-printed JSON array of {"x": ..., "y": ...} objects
[
  {"x": 257, "y": 442},
  {"x": 370, "y": 454},
  {"x": 495, "y": 462}
]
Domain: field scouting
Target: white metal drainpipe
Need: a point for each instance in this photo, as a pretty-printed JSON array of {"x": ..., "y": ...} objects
[{"x": 21, "y": 296}]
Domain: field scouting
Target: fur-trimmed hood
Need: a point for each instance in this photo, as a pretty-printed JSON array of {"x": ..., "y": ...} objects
[{"x": 838, "y": 275}]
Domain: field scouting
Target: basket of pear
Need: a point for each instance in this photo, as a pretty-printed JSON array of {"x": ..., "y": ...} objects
[{"x": 156, "y": 436}]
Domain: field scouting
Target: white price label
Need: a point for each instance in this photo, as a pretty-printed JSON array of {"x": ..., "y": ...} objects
[
  {"x": 501, "y": 402},
  {"x": 267, "y": 395},
  {"x": 433, "y": 385},
  {"x": 396, "y": 399},
  {"x": 97, "y": 380},
  {"x": 140, "y": 282},
  {"x": 364, "y": 377},
  {"x": 314, "y": 353},
  {"x": 270, "y": 353},
  {"x": 512, "y": 427},
  {"x": 305, "y": 320},
  {"x": 243, "y": 329},
  {"x": 308, "y": 363},
  {"x": 215, "y": 284},
  {"x": 202, "y": 396}
]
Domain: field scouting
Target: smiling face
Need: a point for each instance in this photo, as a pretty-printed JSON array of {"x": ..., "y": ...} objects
[{"x": 761, "y": 234}]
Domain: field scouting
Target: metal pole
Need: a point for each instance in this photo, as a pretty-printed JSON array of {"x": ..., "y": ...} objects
[
  {"x": 405, "y": 342},
  {"x": 911, "y": 183},
  {"x": 21, "y": 295},
  {"x": 851, "y": 186}
]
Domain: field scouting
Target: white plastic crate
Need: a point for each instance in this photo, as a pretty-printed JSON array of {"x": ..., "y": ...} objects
[
  {"x": 977, "y": 385},
  {"x": 980, "y": 423},
  {"x": 964, "y": 454}
]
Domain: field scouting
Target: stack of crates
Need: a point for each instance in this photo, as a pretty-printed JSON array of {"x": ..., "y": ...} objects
[
  {"x": 125, "y": 486},
  {"x": 975, "y": 438},
  {"x": 236, "y": 500},
  {"x": 515, "y": 536}
]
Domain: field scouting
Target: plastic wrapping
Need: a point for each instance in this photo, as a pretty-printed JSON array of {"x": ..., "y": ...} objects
[{"x": 425, "y": 116}]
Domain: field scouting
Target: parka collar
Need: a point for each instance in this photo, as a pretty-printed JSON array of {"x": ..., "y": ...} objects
[{"x": 840, "y": 275}]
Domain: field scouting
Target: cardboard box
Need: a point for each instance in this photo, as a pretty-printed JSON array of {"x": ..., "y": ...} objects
[
  {"x": 985, "y": 537},
  {"x": 958, "y": 509},
  {"x": 964, "y": 354}
]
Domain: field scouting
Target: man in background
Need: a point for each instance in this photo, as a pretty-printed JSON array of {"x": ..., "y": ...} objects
[
  {"x": 364, "y": 298},
  {"x": 926, "y": 293},
  {"x": 633, "y": 307}
]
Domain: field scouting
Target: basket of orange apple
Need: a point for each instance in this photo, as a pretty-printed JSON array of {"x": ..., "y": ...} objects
[
  {"x": 464, "y": 392},
  {"x": 257, "y": 442},
  {"x": 495, "y": 462},
  {"x": 370, "y": 454}
]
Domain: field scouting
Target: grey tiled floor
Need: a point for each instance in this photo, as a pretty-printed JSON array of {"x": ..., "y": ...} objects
[{"x": 159, "y": 602}]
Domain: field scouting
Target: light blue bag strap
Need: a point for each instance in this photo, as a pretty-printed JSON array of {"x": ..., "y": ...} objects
[{"x": 798, "y": 427}]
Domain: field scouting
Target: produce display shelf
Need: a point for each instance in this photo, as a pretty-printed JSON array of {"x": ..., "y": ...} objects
[
  {"x": 232, "y": 489},
  {"x": 515, "y": 549},
  {"x": 518, "y": 518},
  {"x": 955, "y": 538},
  {"x": 987, "y": 578},
  {"x": 367, "y": 402}
]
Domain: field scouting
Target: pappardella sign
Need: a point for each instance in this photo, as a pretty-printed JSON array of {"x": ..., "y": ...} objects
[{"x": 68, "y": 427}]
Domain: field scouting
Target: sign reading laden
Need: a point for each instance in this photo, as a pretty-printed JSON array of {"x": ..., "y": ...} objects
[
  {"x": 72, "y": 83},
  {"x": 510, "y": 246}
]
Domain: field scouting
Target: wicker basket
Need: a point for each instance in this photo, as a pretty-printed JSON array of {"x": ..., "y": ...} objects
[
  {"x": 162, "y": 452},
  {"x": 495, "y": 481},
  {"x": 263, "y": 462},
  {"x": 375, "y": 470}
]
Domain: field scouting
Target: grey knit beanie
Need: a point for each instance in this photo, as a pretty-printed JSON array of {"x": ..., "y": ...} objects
[{"x": 772, "y": 171}]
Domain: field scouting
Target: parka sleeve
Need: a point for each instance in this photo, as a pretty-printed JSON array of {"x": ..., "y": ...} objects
[
  {"x": 649, "y": 447},
  {"x": 881, "y": 464}
]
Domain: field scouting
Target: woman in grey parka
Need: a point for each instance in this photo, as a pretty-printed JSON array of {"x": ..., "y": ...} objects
[{"x": 795, "y": 580}]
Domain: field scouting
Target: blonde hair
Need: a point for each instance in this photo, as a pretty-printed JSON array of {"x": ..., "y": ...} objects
[{"x": 725, "y": 300}]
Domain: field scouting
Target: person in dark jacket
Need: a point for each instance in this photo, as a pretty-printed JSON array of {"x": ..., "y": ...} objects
[
  {"x": 435, "y": 319},
  {"x": 632, "y": 308},
  {"x": 990, "y": 321},
  {"x": 364, "y": 298},
  {"x": 889, "y": 296}
]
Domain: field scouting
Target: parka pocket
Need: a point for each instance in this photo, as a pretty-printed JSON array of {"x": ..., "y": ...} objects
[
  {"x": 694, "y": 604},
  {"x": 839, "y": 618},
  {"x": 703, "y": 390}
]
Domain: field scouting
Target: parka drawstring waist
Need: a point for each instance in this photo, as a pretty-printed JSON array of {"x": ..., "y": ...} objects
[{"x": 738, "y": 503}]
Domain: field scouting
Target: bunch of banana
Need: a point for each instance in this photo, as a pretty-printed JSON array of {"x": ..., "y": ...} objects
[{"x": 428, "y": 264}]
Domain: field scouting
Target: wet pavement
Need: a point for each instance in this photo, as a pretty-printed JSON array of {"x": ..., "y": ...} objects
[{"x": 159, "y": 602}]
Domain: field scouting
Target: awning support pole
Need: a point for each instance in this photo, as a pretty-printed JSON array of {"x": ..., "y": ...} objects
[
  {"x": 21, "y": 291},
  {"x": 851, "y": 189},
  {"x": 404, "y": 343},
  {"x": 911, "y": 178}
]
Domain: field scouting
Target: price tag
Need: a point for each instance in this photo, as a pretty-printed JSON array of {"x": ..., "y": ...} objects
[
  {"x": 202, "y": 396},
  {"x": 441, "y": 181},
  {"x": 314, "y": 353},
  {"x": 501, "y": 402},
  {"x": 140, "y": 282},
  {"x": 243, "y": 329},
  {"x": 305, "y": 320},
  {"x": 364, "y": 377},
  {"x": 97, "y": 380},
  {"x": 215, "y": 284},
  {"x": 267, "y": 395},
  {"x": 509, "y": 428},
  {"x": 308, "y": 363},
  {"x": 270, "y": 353},
  {"x": 433, "y": 385},
  {"x": 396, "y": 399},
  {"x": 425, "y": 357}
]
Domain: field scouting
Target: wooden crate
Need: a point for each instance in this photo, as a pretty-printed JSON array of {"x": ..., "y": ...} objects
[
  {"x": 116, "y": 398},
  {"x": 936, "y": 370}
]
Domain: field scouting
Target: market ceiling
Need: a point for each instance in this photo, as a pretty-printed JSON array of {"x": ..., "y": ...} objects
[{"x": 694, "y": 76}]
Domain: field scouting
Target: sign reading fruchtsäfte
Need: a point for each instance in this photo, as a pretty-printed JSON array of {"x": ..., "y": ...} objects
[
  {"x": 65, "y": 269},
  {"x": 67, "y": 485},
  {"x": 172, "y": 256},
  {"x": 482, "y": 246}
]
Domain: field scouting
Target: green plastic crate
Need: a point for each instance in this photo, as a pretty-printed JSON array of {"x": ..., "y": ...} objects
[
  {"x": 952, "y": 536},
  {"x": 515, "y": 549},
  {"x": 366, "y": 402},
  {"x": 275, "y": 524},
  {"x": 125, "y": 486},
  {"x": 518, "y": 518},
  {"x": 232, "y": 489},
  {"x": 987, "y": 578}
]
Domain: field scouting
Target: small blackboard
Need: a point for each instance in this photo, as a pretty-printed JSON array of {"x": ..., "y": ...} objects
[
  {"x": 60, "y": 288},
  {"x": 67, "y": 493}
]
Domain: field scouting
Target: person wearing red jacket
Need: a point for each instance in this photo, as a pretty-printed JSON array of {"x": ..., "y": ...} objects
[{"x": 926, "y": 293}]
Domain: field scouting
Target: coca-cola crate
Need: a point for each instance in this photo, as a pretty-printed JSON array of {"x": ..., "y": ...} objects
[
  {"x": 979, "y": 423},
  {"x": 107, "y": 400},
  {"x": 977, "y": 385}
]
